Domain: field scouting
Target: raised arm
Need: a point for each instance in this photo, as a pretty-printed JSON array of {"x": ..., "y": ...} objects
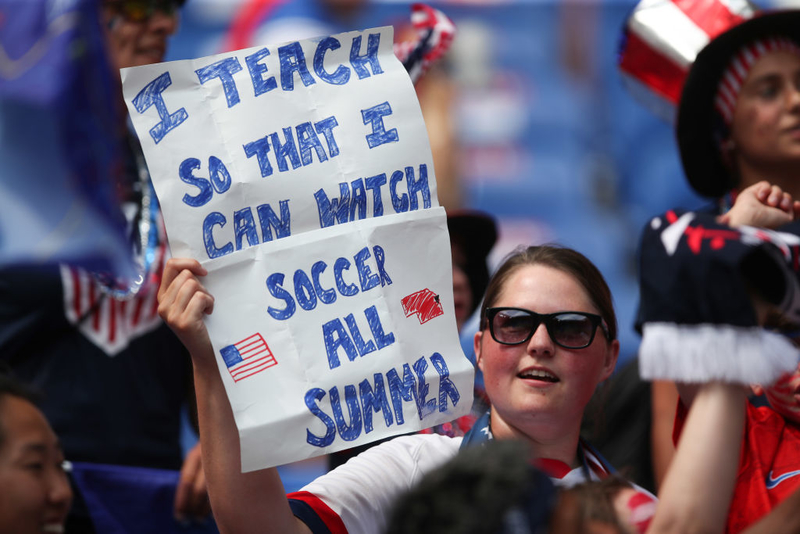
[
  {"x": 241, "y": 502},
  {"x": 698, "y": 488}
]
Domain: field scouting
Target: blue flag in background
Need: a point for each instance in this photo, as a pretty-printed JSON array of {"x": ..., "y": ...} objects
[
  {"x": 59, "y": 135},
  {"x": 133, "y": 500}
]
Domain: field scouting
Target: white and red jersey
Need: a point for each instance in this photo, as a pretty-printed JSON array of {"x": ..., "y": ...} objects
[{"x": 357, "y": 497}]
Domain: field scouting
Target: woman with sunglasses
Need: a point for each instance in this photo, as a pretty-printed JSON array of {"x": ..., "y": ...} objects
[
  {"x": 138, "y": 30},
  {"x": 548, "y": 337}
]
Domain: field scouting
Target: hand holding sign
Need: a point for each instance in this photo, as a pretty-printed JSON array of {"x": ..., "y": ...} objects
[
  {"x": 315, "y": 151},
  {"x": 183, "y": 301}
]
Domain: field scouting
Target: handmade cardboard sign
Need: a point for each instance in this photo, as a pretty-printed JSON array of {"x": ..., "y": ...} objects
[{"x": 300, "y": 175}]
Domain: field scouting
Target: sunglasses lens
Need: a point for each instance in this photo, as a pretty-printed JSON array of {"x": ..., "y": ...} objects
[
  {"x": 134, "y": 10},
  {"x": 512, "y": 326},
  {"x": 572, "y": 329},
  {"x": 140, "y": 10}
]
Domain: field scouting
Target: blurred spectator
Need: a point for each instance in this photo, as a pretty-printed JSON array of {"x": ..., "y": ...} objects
[
  {"x": 735, "y": 100},
  {"x": 489, "y": 489},
  {"x": 116, "y": 378},
  {"x": 59, "y": 139},
  {"x": 700, "y": 325}
]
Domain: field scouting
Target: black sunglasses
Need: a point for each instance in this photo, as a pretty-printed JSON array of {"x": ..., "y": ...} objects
[
  {"x": 141, "y": 10},
  {"x": 568, "y": 329}
]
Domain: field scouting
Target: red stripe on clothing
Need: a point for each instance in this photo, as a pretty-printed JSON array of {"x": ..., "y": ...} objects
[
  {"x": 112, "y": 320},
  {"x": 711, "y": 16},
  {"x": 158, "y": 272},
  {"x": 153, "y": 308},
  {"x": 671, "y": 217},
  {"x": 653, "y": 69},
  {"x": 553, "y": 468},
  {"x": 596, "y": 466},
  {"x": 137, "y": 310},
  {"x": 76, "y": 296},
  {"x": 325, "y": 513},
  {"x": 92, "y": 301}
]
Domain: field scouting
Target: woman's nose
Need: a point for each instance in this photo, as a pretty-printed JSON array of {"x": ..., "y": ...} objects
[
  {"x": 793, "y": 98},
  {"x": 540, "y": 342}
]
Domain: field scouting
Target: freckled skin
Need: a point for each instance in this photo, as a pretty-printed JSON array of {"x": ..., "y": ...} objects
[{"x": 539, "y": 410}]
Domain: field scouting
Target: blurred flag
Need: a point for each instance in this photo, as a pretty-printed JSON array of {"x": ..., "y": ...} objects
[
  {"x": 133, "y": 500},
  {"x": 58, "y": 139}
]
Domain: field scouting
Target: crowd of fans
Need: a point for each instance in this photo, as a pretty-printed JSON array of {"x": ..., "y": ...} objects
[{"x": 718, "y": 450}]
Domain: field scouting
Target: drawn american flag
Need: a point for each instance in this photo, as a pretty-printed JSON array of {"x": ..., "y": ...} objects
[{"x": 248, "y": 357}]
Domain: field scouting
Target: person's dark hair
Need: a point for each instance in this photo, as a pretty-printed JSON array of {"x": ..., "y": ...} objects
[
  {"x": 11, "y": 387},
  {"x": 474, "y": 233},
  {"x": 563, "y": 259},
  {"x": 486, "y": 489},
  {"x": 596, "y": 501}
]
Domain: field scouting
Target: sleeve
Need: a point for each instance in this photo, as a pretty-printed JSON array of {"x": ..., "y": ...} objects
[
  {"x": 357, "y": 497},
  {"x": 697, "y": 319}
]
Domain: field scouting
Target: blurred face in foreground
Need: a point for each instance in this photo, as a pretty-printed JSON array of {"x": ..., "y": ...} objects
[
  {"x": 539, "y": 383},
  {"x": 35, "y": 495},
  {"x": 138, "y": 30}
]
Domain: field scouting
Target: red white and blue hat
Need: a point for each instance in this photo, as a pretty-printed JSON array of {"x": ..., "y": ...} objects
[{"x": 673, "y": 56}]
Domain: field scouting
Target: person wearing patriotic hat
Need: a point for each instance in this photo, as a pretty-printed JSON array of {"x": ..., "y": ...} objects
[
  {"x": 698, "y": 278},
  {"x": 728, "y": 75}
]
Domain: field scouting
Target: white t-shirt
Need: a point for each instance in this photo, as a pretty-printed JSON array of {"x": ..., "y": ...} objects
[{"x": 357, "y": 497}]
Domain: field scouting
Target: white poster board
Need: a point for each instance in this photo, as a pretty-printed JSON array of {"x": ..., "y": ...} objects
[{"x": 301, "y": 177}]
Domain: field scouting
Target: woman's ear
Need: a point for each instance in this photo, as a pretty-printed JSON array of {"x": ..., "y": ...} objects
[
  {"x": 477, "y": 348},
  {"x": 610, "y": 361}
]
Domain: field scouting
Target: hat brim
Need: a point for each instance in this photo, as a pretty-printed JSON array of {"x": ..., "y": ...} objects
[{"x": 696, "y": 120}]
